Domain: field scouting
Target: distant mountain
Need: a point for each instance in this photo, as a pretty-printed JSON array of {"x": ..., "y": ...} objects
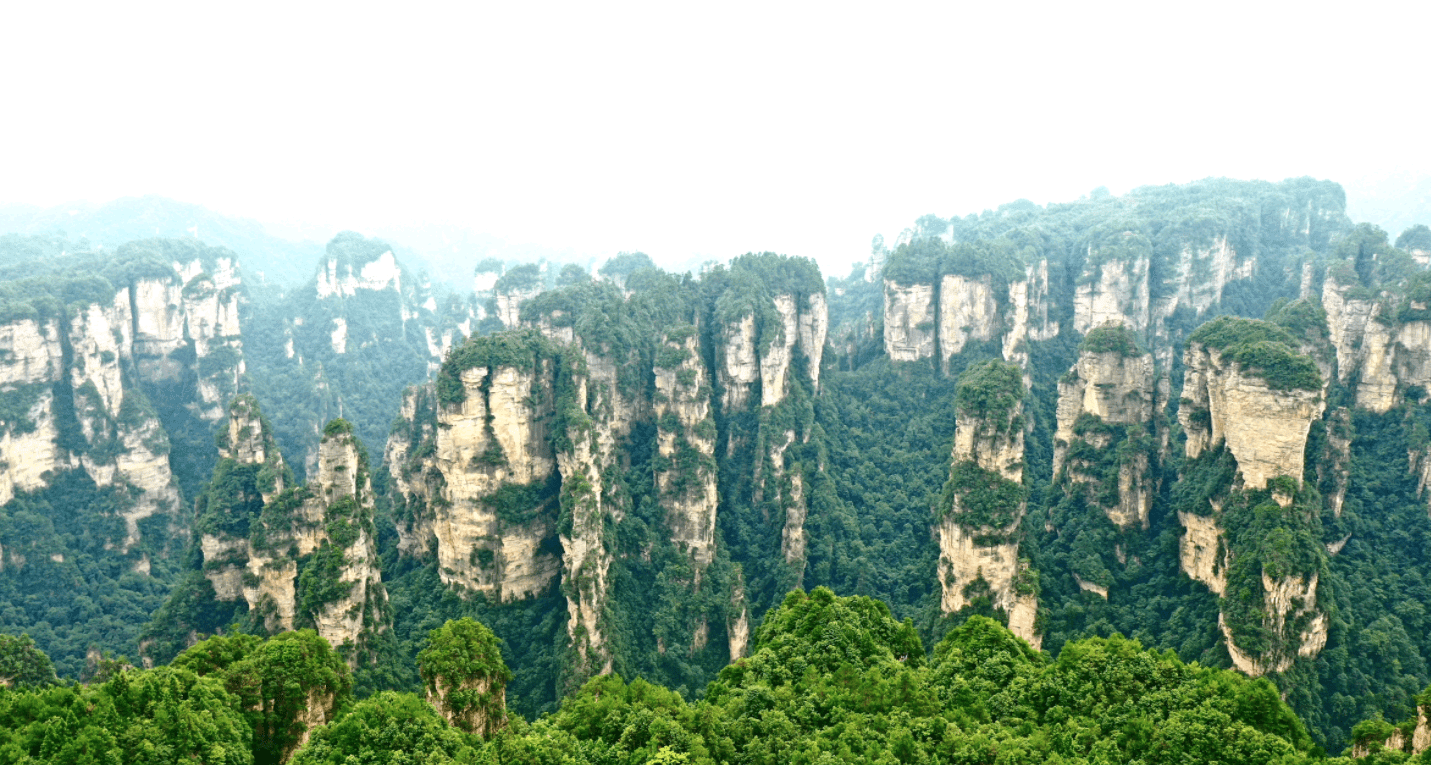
[
  {"x": 1395, "y": 203},
  {"x": 262, "y": 256}
]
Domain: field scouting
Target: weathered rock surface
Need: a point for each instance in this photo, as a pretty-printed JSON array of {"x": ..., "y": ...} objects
[
  {"x": 967, "y": 312},
  {"x": 969, "y": 555},
  {"x": 330, "y": 519},
  {"x": 1117, "y": 390},
  {"x": 1114, "y": 290},
  {"x": 908, "y": 321},
  {"x": 1265, "y": 429},
  {"x": 685, "y": 437}
]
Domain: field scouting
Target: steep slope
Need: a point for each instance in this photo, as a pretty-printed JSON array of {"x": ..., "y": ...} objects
[{"x": 274, "y": 556}]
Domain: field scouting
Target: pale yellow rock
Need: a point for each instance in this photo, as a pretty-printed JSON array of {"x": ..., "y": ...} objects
[
  {"x": 1118, "y": 293},
  {"x": 999, "y": 448},
  {"x": 1421, "y": 737},
  {"x": 739, "y": 634},
  {"x": 1118, "y": 390},
  {"x": 29, "y": 457},
  {"x": 775, "y": 361},
  {"x": 814, "y": 329},
  {"x": 1203, "y": 551},
  {"x": 509, "y": 305},
  {"x": 1265, "y": 429},
  {"x": 909, "y": 321},
  {"x": 31, "y": 351},
  {"x": 382, "y": 273},
  {"x": 967, "y": 312},
  {"x": 739, "y": 368},
  {"x": 1096, "y": 589},
  {"x": 338, "y": 338},
  {"x": 691, "y": 514}
]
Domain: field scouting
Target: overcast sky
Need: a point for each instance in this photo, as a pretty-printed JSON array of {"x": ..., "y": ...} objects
[{"x": 690, "y": 130}]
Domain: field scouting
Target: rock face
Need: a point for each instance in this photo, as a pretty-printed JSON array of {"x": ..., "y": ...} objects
[
  {"x": 340, "y": 277},
  {"x": 187, "y": 327},
  {"x": 1389, "y": 354},
  {"x": 495, "y": 436},
  {"x": 908, "y": 321},
  {"x": 978, "y": 548},
  {"x": 309, "y": 558},
  {"x": 80, "y": 371},
  {"x": 1265, "y": 430},
  {"x": 921, "y": 320},
  {"x": 1103, "y": 389},
  {"x": 1421, "y": 738},
  {"x": 685, "y": 438},
  {"x": 967, "y": 312},
  {"x": 1112, "y": 290},
  {"x": 499, "y": 465}
]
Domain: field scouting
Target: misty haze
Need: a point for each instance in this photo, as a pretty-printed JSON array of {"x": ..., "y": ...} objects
[{"x": 748, "y": 384}]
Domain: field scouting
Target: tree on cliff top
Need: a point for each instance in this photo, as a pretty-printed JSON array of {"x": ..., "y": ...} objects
[
  {"x": 465, "y": 677},
  {"x": 22, "y": 664}
]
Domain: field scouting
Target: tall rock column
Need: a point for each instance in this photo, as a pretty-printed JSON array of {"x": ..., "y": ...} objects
[
  {"x": 297, "y": 556},
  {"x": 1250, "y": 397},
  {"x": 984, "y": 500},
  {"x": 685, "y": 439},
  {"x": 1105, "y": 405}
]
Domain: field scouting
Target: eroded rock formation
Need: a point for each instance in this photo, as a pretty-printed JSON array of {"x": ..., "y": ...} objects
[{"x": 985, "y": 501}]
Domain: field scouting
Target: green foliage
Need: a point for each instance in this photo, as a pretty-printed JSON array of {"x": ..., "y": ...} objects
[
  {"x": 22, "y": 664},
  {"x": 388, "y": 729},
  {"x": 283, "y": 682},
  {"x": 624, "y": 264},
  {"x": 980, "y": 499},
  {"x": 520, "y": 279},
  {"x": 519, "y": 350},
  {"x": 1111, "y": 338},
  {"x": 988, "y": 391},
  {"x": 1417, "y": 237},
  {"x": 1261, "y": 348},
  {"x": 156, "y": 716},
  {"x": 462, "y": 670},
  {"x": 835, "y": 679}
]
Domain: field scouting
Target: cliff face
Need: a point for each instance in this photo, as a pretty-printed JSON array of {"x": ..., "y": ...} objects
[
  {"x": 686, "y": 434},
  {"x": 1113, "y": 290},
  {"x": 341, "y": 277},
  {"x": 1109, "y": 388},
  {"x": 1264, "y": 428},
  {"x": 985, "y": 501},
  {"x": 309, "y": 557},
  {"x": 187, "y": 327},
  {"x": 908, "y": 321},
  {"x": 1388, "y": 353},
  {"x": 967, "y": 312},
  {"x": 75, "y": 382}
]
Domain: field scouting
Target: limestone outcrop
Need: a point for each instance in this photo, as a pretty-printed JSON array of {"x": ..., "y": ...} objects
[
  {"x": 760, "y": 345},
  {"x": 309, "y": 557},
  {"x": 909, "y": 321},
  {"x": 685, "y": 439},
  {"x": 1105, "y": 407},
  {"x": 1265, "y": 428},
  {"x": 1247, "y": 390},
  {"x": 968, "y": 313},
  {"x": 1112, "y": 289},
  {"x": 985, "y": 500},
  {"x": 68, "y": 378}
]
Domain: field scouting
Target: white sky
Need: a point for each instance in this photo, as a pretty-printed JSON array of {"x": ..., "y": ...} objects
[{"x": 694, "y": 130}]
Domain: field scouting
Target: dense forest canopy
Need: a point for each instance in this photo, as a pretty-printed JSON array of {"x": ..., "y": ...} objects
[{"x": 1078, "y": 469}]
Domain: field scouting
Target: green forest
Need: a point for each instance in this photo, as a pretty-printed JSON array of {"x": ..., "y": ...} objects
[{"x": 638, "y": 516}]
